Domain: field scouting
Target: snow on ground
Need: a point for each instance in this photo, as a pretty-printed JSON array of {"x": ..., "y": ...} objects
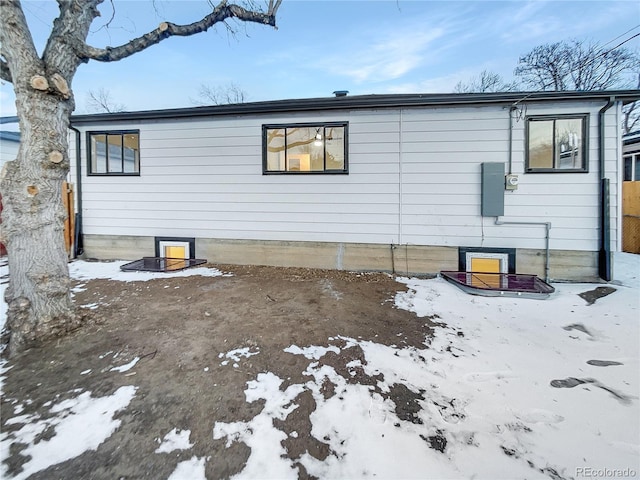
[
  {"x": 505, "y": 388},
  {"x": 68, "y": 421},
  {"x": 192, "y": 469},
  {"x": 175, "y": 440},
  {"x": 81, "y": 270}
]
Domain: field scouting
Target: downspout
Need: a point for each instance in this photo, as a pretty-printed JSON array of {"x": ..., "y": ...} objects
[
  {"x": 78, "y": 247},
  {"x": 547, "y": 226},
  {"x": 604, "y": 252},
  {"x": 400, "y": 180}
]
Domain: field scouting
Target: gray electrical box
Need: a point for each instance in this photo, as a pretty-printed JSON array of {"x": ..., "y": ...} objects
[{"x": 492, "y": 204}]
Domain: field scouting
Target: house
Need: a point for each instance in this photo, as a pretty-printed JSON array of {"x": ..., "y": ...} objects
[
  {"x": 9, "y": 145},
  {"x": 631, "y": 192},
  {"x": 511, "y": 182}
]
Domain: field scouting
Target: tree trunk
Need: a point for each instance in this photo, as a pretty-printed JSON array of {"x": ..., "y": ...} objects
[{"x": 38, "y": 296}]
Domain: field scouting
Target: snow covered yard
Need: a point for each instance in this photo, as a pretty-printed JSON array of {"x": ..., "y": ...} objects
[{"x": 504, "y": 388}]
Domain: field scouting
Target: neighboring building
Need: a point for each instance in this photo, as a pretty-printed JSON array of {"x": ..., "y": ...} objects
[
  {"x": 411, "y": 183},
  {"x": 631, "y": 193},
  {"x": 9, "y": 144}
]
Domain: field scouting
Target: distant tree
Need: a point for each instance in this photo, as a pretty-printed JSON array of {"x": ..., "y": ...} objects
[
  {"x": 575, "y": 65},
  {"x": 220, "y": 95},
  {"x": 101, "y": 101},
  {"x": 631, "y": 114},
  {"x": 38, "y": 296},
  {"x": 485, "y": 82}
]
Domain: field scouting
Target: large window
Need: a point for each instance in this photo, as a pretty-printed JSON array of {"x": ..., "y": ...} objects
[
  {"x": 557, "y": 144},
  {"x": 305, "y": 148},
  {"x": 114, "y": 153}
]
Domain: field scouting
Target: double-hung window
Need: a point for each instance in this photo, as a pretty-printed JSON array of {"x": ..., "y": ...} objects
[
  {"x": 557, "y": 144},
  {"x": 305, "y": 148},
  {"x": 114, "y": 152}
]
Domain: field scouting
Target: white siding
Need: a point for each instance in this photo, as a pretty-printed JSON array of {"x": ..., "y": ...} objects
[
  {"x": 414, "y": 177},
  {"x": 203, "y": 178},
  {"x": 8, "y": 151},
  {"x": 442, "y": 154}
]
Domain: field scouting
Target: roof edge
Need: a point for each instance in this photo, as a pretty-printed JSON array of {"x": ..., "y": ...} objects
[{"x": 359, "y": 102}]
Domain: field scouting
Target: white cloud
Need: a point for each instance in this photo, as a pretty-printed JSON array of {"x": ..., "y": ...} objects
[
  {"x": 386, "y": 59},
  {"x": 440, "y": 84}
]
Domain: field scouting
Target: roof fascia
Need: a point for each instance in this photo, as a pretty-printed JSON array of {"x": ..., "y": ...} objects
[{"x": 359, "y": 102}]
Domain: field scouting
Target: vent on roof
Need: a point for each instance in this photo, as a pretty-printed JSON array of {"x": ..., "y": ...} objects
[{"x": 341, "y": 93}]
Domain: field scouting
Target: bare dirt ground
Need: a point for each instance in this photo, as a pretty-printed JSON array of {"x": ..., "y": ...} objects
[{"x": 179, "y": 327}]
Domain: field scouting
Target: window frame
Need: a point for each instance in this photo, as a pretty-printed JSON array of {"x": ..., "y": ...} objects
[
  {"x": 585, "y": 142},
  {"x": 323, "y": 125},
  {"x": 93, "y": 133},
  {"x": 634, "y": 161}
]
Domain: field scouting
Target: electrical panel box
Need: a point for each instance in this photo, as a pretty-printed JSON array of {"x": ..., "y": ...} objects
[{"x": 492, "y": 201}]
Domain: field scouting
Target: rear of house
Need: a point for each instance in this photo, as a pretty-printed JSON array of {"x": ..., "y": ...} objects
[{"x": 519, "y": 182}]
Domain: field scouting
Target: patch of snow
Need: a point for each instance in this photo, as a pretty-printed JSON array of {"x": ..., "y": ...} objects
[
  {"x": 236, "y": 355},
  {"x": 312, "y": 352},
  {"x": 192, "y": 469},
  {"x": 71, "y": 437},
  {"x": 90, "y": 306},
  {"x": 267, "y": 458},
  {"x": 82, "y": 270},
  {"x": 127, "y": 367},
  {"x": 84, "y": 372},
  {"x": 175, "y": 440}
]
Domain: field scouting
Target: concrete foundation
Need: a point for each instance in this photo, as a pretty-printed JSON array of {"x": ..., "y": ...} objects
[{"x": 565, "y": 265}]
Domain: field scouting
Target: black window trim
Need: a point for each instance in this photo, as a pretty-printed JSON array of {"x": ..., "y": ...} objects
[
  {"x": 113, "y": 174},
  {"x": 323, "y": 125},
  {"x": 585, "y": 139}
]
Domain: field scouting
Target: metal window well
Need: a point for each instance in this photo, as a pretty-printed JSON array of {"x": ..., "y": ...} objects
[
  {"x": 161, "y": 264},
  {"x": 500, "y": 284}
]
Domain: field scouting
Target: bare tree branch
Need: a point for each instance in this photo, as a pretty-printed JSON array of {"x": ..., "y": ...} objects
[
  {"x": 18, "y": 48},
  {"x": 165, "y": 30},
  {"x": 101, "y": 101},
  {"x": 70, "y": 28},
  {"x": 575, "y": 65},
  {"x": 220, "y": 95},
  {"x": 486, "y": 82},
  {"x": 631, "y": 114}
]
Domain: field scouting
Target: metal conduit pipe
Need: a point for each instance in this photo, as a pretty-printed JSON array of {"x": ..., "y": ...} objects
[
  {"x": 547, "y": 226},
  {"x": 510, "y": 146}
]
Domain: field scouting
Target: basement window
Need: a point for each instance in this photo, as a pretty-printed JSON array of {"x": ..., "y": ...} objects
[
  {"x": 485, "y": 264},
  {"x": 305, "y": 148},
  {"x": 114, "y": 152},
  {"x": 175, "y": 247},
  {"x": 556, "y": 144}
]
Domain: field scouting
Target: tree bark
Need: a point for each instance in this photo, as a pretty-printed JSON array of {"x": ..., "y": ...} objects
[{"x": 38, "y": 296}]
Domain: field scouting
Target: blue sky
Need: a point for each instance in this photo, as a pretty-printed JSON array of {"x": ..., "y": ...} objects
[{"x": 363, "y": 46}]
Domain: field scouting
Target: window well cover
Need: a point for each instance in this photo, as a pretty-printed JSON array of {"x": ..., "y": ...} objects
[{"x": 161, "y": 264}]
